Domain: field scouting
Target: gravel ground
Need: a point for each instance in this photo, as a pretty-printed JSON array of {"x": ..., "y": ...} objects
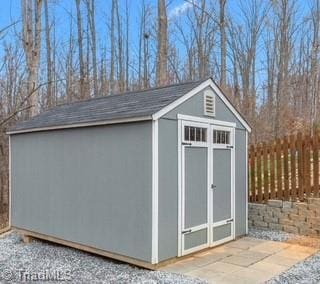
[
  {"x": 40, "y": 261},
  {"x": 305, "y": 272},
  {"x": 271, "y": 235}
]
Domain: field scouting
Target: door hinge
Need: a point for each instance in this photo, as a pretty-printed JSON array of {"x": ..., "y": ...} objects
[
  {"x": 187, "y": 231},
  {"x": 186, "y": 143},
  {"x": 229, "y": 221},
  {"x": 213, "y": 186}
]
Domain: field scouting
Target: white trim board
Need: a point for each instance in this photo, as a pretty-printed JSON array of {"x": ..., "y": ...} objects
[
  {"x": 155, "y": 191},
  {"x": 10, "y": 183},
  {"x": 199, "y": 88}
]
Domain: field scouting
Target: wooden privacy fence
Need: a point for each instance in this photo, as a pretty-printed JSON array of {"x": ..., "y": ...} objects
[{"x": 286, "y": 169}]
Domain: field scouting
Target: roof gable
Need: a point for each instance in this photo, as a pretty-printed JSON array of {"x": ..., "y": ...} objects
[{"x": 201, "y": 86}]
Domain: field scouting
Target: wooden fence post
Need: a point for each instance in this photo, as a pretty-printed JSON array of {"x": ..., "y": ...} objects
[
  {"x": 316, "y": 164},
  {"x": 307, "y": 166},
  {"x": 279, "y": 192},
  {"x": 252, "y": 173},
  {"x": 285, "y": 168},
  {"x": 300, "y": 166},
  {"x": 259, "y": 179},
  {"x": 265, "y": 172},
  {"x": 272, "y": 172},
  {"x": 293, "y": 175}
]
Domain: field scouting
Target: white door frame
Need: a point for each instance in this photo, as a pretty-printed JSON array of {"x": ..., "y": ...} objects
[
  {"x": 182, "y": 193},
  {"x": 209, "y": 123},
  {"x": 230, "y": 147}
]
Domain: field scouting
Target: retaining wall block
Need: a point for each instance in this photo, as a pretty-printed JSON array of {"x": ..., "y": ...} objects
[
  {"x": 287, "y": 204},
  {"x": 274, "y": 226},
  {"x": 290, "y": 229},
  {"x": 301, "y": 218},
  {"x": 275, "y": 203},
  {"x": 313, "y": 220},
  {"x": 258, "y": 206},
  {"x": 300, "y": 206},
  {"x": 271, "y": 219},
  {"x": 257, "y": 218},
  {"x": 290, "y": 210},
  {"x": 314, "y": 200},
  {"x": 286, "y": 222},
  {"x": 260, "y": 224}
]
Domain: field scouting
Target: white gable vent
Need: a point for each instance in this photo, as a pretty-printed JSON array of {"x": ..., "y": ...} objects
[{"x": 209, "y": 103}]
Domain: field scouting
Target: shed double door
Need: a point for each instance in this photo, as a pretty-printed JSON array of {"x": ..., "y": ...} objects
[{"x": 207, "y": 186}]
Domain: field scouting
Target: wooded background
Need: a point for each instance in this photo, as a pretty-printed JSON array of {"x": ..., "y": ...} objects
[{"x": 264, "y": 54}]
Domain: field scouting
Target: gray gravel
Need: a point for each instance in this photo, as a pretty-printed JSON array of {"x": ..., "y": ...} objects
[
  {"x": 42, "y": 261},
  {"x": 305, "y": 272},
  {"x": 271, "y": 235}
]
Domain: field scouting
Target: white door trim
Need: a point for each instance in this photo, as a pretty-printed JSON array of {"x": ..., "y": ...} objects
[
  {"x": 189, "y": 120},
  {"x": 231, "y": 147},
  {"x": 181, "y": 194}
]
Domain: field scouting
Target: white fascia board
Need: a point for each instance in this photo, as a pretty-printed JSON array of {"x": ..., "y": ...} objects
[
  {"x": 78, "y": 125},
  {"x": 203, "y": 85}
]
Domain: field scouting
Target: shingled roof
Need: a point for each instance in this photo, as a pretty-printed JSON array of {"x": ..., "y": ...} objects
[{"x": 127, "y": 105}]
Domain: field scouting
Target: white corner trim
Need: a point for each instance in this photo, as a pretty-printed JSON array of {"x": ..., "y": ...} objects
[
  {"x": 247, "y": 184},
  {"x": 179, "y": 188},
  {"x": 203, "y": 85},
  {"x": 86, "y": 124},
  {"x": 10, "y": 182},
  {"x": 155, "y": 192}
]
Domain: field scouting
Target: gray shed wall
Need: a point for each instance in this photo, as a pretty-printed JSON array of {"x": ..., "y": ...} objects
[
  {"x": 91, "y": 186},
  {"x": 168, "y": 172}
]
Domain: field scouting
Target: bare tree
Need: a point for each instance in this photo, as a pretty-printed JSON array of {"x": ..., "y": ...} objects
[
  {"x": 162, "y": 56},
  {"x": 92, "y": 25},
  {"x": 223, "y": 43},
  {"x": 50, "y": 94},
  {"x": 31, "y": 16},
  {"x": 82, "y": 88}
]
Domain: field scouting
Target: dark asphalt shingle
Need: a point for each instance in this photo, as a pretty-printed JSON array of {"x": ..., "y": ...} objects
[{"x": 118, "y": 106}]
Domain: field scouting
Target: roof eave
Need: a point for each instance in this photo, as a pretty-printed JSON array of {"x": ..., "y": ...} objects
[{"x": 80, "y": 125}]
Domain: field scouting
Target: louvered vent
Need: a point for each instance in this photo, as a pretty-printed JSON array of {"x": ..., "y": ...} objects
[{"x": 209, "y": 103}]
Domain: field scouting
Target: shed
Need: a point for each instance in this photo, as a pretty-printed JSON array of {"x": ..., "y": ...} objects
[{"x": 142, "y": 177}]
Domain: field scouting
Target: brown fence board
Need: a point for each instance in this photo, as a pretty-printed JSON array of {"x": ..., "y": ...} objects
[
  {"x": 293, "y": 169},
  {"x": 279, "y": 169},
  {"x": 285, "y": 168},
  {"x": 252, "y": 173},
  {"x": 272, "y": 172},
  {"x": 307, "y": 161},
  {"x": 316, "y": 165},
  {"x": 259, "y": 177},
  {"x": 300, "y": 166},
  {"x": 265, "y": 171}
]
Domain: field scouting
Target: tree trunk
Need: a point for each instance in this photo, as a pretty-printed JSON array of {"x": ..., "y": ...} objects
[
  {"x": 31, "y": 37},
  {"x": 162, "y": 67}
]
